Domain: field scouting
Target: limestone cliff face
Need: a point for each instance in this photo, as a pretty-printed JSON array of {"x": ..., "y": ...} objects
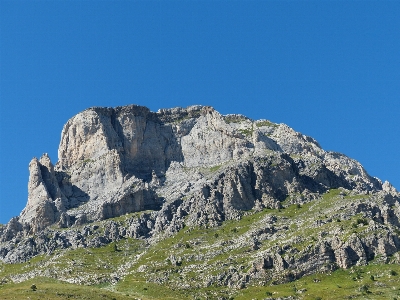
[
  {"x": 137, "y": 136},
  {"x": 45, "y": 199},
  {"x": 195, "y": 167},
  {"x": 211, "y": 141},
  {"x": 112, "y": 161}
]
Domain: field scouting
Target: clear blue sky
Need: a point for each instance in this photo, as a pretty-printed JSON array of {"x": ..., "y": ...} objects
[{"x": 329, "y": 69}]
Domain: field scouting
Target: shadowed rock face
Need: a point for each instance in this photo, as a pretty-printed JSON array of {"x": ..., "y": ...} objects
[{"x": 193, "y": 167}]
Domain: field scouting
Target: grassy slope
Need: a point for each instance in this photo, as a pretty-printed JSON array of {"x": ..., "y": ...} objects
[
  {"x": 52, "y": 289},
  {"x": 355, "y": 283},
  {"x": 143, "y": 264}
]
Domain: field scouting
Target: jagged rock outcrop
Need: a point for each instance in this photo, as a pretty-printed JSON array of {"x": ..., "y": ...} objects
[
  {"x": 104, "y": 152},
  {"x": 45, "y": 199},
  {"x": 193, "y": 167}
]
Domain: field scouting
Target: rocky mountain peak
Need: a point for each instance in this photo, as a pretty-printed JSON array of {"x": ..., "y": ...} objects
[
  {"x": 195, "y": 168},
  {"x": 103, "y": 151}
]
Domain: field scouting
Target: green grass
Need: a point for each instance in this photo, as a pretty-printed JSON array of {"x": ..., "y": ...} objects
[
  {"x": 210, "y": 251},
  {"x": 247, "y": 132},
  {"x": 354, "y": 283},
  {"x": 52, "y": 289},
  {"x": 234, "y": 119},
  {"x": 217, "y": 244},
  {"x": 138, "y": 287},
  {"x": 215, "y": 168},
  {"x": 96, "y": 265},
  {"x": 266, "y": 123},
  {"x": 123, "y": 218}
]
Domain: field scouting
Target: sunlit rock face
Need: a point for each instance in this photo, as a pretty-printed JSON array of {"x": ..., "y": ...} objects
[
  {"x": 195, "y": 167},
  {"x": 112, "y": 161}
]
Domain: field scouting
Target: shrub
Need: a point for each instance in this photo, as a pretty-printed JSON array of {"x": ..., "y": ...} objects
[
  {"x": 362, "y": 221},
  {"x": 364, "y": 289}
]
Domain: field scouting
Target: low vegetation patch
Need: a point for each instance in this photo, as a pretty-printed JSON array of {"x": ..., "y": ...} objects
[
  {"x": 266, "y": 123},
  {"x": 188, "y": 264}
]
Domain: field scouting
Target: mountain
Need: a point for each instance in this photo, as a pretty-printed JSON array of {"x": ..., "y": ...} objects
[{"x": 199, "y": 203}]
